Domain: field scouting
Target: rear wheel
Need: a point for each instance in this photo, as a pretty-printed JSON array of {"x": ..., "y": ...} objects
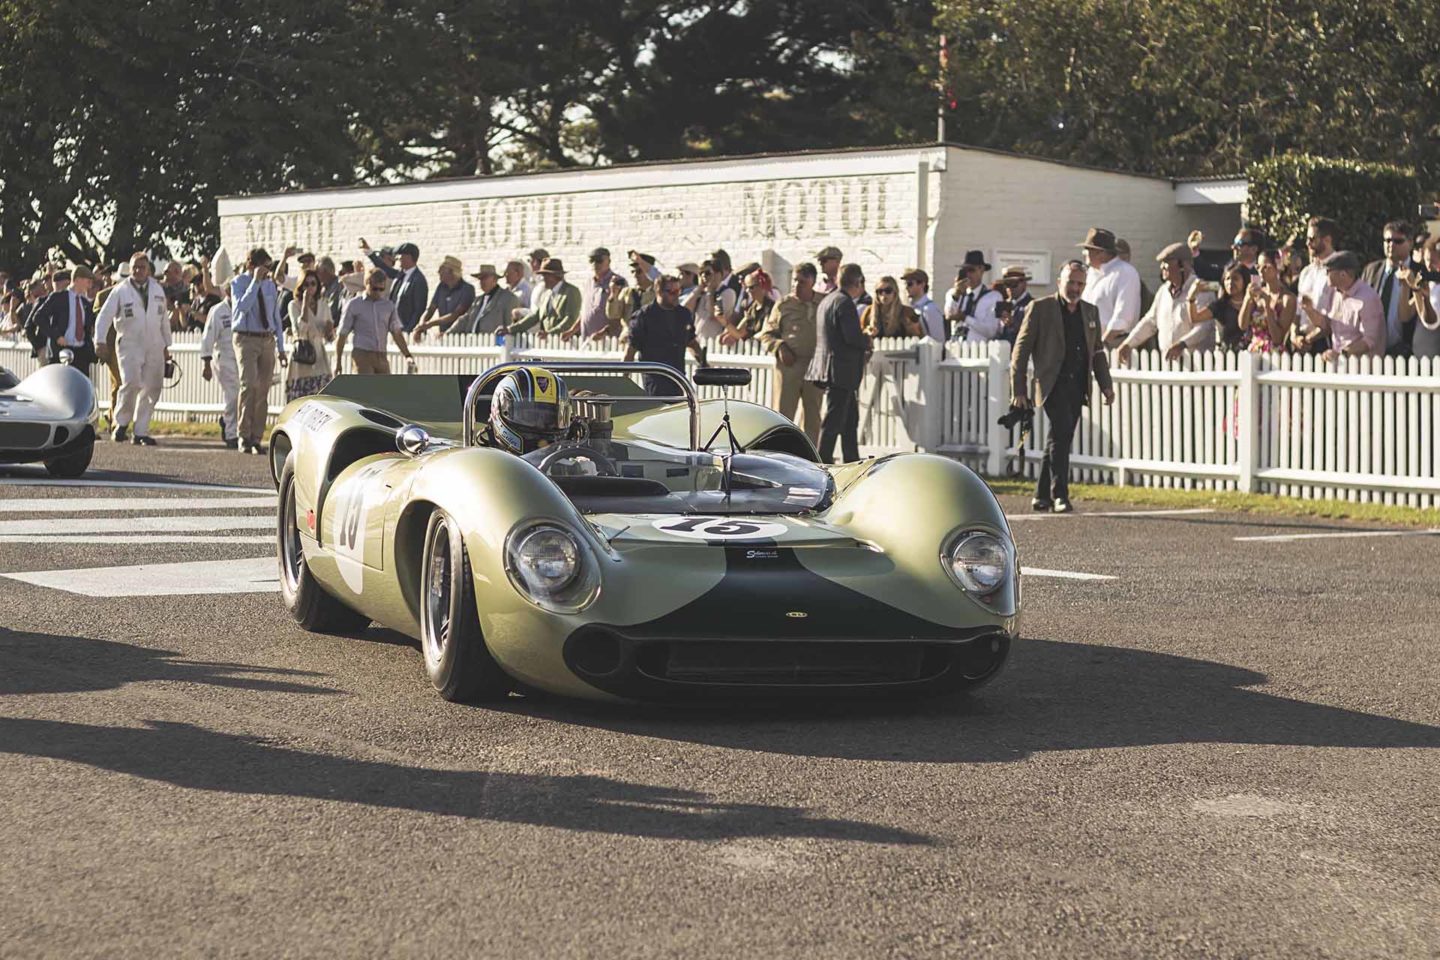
[
  {"x": 312, "y": 608},
  {"x": 73, "y": 464},
  {"x": 456, "y": 659}
]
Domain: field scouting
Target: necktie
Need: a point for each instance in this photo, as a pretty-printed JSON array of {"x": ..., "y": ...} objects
[
  {"x": 264, "y": 313},
  {"x": 77, "y": 322},
  {"x": 1387, "y": 278}
]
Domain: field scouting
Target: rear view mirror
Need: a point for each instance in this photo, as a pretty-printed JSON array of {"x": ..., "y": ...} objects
[{"x": 722, "y": 377}]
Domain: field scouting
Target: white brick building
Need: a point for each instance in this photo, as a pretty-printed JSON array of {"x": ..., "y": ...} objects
[{"x": 886, "y": 208}]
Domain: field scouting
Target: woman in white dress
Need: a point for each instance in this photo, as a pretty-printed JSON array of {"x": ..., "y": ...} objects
[{"x": 310, "y": 328}]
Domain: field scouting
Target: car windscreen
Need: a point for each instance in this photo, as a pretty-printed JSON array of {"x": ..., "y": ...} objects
[{"x": 634, "y": 476}]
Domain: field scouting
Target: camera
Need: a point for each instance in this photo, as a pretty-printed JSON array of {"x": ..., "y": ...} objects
[{"x": 1017, "y": 416}]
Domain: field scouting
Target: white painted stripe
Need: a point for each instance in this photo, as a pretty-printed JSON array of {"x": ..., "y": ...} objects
[
  {"x": 1063, "y": 574},
  {"x": 134, "y": 504},
  {"x": 1111, "y": 513},
  {"x": 139, "y": 539},
  {"x": 124, "y": 484},
  {"x": 1336, "y": 535},
  {"x": 202, "y": 524},
  {"x": 258, "y": 575}
]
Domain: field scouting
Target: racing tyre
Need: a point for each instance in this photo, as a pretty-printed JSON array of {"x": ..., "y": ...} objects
[
  {"x": 456, "y": 659},
  {"x": 73, "y": 464},
  {"x": 307, "y": 601}
]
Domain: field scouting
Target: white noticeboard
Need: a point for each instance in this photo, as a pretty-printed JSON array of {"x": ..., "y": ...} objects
[{"x": 1036, "y": 261}]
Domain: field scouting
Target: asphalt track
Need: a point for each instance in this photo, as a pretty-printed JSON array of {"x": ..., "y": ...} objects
[{"x": 1228, "y": 750}]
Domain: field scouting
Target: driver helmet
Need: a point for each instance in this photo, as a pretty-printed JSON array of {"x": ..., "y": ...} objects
[{"x": 530, "y": 409}]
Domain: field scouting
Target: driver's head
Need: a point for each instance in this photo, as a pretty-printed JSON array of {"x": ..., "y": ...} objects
[{"x": 530, "y": 409}]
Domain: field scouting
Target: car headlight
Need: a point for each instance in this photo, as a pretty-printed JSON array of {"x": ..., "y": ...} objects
[
  {"x": 551, "y": 567},
  {"x": 978, "y": 561}
]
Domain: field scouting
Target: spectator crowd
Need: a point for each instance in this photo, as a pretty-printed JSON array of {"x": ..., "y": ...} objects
[{"x": 304, "y": 312}]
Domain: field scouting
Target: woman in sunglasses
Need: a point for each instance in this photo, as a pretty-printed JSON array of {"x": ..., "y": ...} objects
[{"x": 887, "y": 316}]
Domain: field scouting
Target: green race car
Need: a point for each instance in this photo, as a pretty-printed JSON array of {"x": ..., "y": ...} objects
[{"x": 557, "y": 528}]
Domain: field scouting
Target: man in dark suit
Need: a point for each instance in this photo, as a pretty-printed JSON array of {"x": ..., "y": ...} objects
[
  {"x": 1062, "y": 333},
  {"x": 1383, "y": 276},
  {"x": 67, "y": 322},
  {"x": 839, "y": 364},
  {"x": 408, "y": 286}
]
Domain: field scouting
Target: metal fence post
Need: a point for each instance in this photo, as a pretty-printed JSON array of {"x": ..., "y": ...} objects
[
  {"x": 1248, "y": 416},
  {"x": 997, "y": 388}
]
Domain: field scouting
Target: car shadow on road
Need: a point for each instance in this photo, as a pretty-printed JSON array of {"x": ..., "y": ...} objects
[
  {"x": 1053, "y": 695},
  {"x": 192, "y": 756},
  {"x": 53, "y": 663}
]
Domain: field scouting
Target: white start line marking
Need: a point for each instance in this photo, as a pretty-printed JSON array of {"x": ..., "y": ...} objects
[
  {"x": 257, "y": 575},
  {"x": 1190, "y": 511},
  {"x": 138, "y": 539},
  {"x": 51, "y": 526},
  {"x": 1063, "y": 574},
  {"x": 129, "y": 484},
  {"x": 1336, "y": 535},
  {"x": 131, "y": 504}
]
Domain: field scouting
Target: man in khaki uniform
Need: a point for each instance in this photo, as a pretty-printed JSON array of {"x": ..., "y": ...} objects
[{"x": 789, "y": 334}]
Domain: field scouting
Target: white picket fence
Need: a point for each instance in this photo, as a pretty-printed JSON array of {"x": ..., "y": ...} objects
[{"x": 1363, "y": 429}]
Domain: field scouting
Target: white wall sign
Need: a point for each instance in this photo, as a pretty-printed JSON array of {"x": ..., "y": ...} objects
[{"x": 1036, "y": 261}]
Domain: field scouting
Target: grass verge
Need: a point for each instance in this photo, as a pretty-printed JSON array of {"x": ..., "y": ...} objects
[{"x": 1260, "y": 503}]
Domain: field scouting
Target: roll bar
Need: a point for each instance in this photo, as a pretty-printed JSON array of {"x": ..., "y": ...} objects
[{"x": 492, "y": 376}]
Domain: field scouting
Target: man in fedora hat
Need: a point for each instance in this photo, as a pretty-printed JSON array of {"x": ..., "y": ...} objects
[
  {"x": 970, "y": 304},
  {"x": 1111, "y": 284},
  {"x": 1172, "y": 313},
  {"x": 1015, "y": 282},
  {"x": 452, "y": 300},
  {"x": 1061, "y": 333},
  {"x": 557, "y": 304},
  {"x": 493, "y": 305}
]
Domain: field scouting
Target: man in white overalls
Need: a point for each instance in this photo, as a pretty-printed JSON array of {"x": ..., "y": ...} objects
[
  {"x": 217, "y": 332},
  {"x": 142, "y": 345}
]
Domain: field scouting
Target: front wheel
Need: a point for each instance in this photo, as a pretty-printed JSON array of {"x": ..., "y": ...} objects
[
  {"x": 456, "y": 659},
  {"x": 73, "y": 464},
  {"x": 307, "y": 601}
]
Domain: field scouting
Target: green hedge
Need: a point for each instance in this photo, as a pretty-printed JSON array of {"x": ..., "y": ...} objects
[{"x": 1285, "y": 192}]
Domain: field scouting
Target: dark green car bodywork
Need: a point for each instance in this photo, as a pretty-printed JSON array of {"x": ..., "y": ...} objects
[{"x": 851, "y": 597}]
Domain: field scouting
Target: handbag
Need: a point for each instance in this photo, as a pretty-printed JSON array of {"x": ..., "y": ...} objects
[{"x": 304, "y": 352}]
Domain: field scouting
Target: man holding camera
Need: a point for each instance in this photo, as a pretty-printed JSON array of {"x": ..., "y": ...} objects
[
  {"x": 1062, "y": 334},
  {"x": 259, "y": 341}
]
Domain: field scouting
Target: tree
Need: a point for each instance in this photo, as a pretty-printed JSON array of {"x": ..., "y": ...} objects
[{"x": 117, "y": 134}]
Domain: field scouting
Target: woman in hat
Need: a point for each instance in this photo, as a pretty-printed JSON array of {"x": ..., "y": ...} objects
[{"x": 311, "y": 324}]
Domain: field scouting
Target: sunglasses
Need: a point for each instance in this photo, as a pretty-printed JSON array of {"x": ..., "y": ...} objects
[
  {"x": 884, "y": 291},
  {"x": 1396, "y": 240}
]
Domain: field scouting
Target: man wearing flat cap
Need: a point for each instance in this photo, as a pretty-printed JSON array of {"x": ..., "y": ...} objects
[
  {"x": 1172, "y": 313},
  {"x": 594, "y": 293},
  {"x": 557, "y": 303},
  {"x": 1111, "y": 284},
  {"x": 492, "y": 307},
  {"x": 917, "y": 290},
  {"x": 828, "y": 259},
  {"x": 1061, "y": 333},
  {"x": 1354, "y": 316},
  {"x": 452, "y": 300}
]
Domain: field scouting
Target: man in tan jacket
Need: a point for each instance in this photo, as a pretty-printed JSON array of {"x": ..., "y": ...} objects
[
  {"x": 1061, "y": 333},
  {"x": 789, "y": 333}
]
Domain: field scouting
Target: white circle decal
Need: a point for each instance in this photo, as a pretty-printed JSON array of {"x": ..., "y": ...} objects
[{"x": 719, "y": 528}]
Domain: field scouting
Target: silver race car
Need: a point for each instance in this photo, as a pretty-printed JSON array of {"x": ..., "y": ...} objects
[{"x": 49, "y": 417}]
